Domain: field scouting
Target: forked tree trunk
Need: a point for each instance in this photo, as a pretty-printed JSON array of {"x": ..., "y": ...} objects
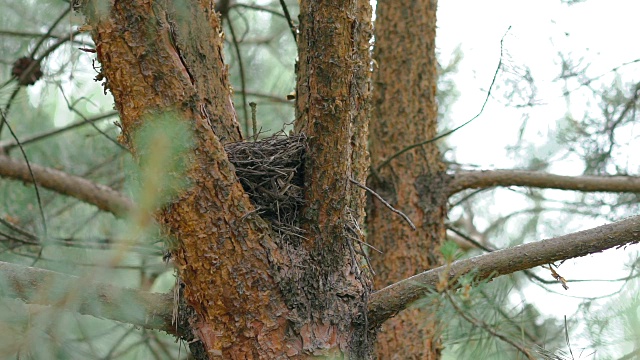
[
  {"x": 255, "y": 295},
  {"x": 156, "y": 59},
  {"x": 404, "y": 112}
]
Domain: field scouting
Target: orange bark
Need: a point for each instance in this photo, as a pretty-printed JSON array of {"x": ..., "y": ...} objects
[
  {"x": 255, "y": 296},
  {"x": 157, "y": 58},
  {"x": 405, "y": 112},
  {"x": 332, "y": 94}
]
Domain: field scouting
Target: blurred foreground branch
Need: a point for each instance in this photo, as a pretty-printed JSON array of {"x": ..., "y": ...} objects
[{"x": 44, "y": 287}]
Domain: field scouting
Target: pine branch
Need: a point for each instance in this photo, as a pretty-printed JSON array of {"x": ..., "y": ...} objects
[
  {"x": 44, "y": 287},
  {"x": 82, "y": 189},
  {"x": 387, "y": 302},
  {"x": 490, "y": 178},
  {"x": 486, "y": 327}
]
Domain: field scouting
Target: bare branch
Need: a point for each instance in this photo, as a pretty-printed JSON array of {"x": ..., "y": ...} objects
[
  {"x": 243, "y": 81},
  {"x": 27, "y": 34},
  {"x": 272, "y": 98},
  {"x": 288, "y": 17},
  {"x": 389, "y": 301},
  {"x": 104, "y": 197},
  {"x": 490, "y": 178},
  {"x": 400, "y": 213},
  {"x": 438, "y": 137},
  {"x": 44, "y": 287}
]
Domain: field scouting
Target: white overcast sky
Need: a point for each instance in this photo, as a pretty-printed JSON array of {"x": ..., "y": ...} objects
[{"x": 602, "y": 32}]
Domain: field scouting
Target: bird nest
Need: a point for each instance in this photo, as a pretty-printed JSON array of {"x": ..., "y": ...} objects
[{"x": 271, "y": 172}]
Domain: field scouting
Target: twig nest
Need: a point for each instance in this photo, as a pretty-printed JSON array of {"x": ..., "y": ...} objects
[{"x": 271, "y": 172}]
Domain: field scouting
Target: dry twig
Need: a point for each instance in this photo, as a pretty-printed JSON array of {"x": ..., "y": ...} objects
[{"x": 405, "y": 217}]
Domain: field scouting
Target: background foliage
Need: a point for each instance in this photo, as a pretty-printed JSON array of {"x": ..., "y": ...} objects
[{"x": 596, "y": 132}]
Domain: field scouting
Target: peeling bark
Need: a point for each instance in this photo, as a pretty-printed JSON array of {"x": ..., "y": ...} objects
[
  {"x": 158, "y": 58},
  {"x": 332, "y": 93},
  {"x": 405, "y": 112}
]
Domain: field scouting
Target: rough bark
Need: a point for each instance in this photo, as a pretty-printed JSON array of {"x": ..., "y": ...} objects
[
  {"x": 490, "y": 178},
  {"x": 158, "y": 58},
  {"x": 405, "y": 112},
  {"x": 332, "y": 93},
  {"x": 256, "y": 296}
]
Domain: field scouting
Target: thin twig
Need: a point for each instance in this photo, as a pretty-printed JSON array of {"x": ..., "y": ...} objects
[
  {"x": 468, "y": 238},
  {"x": 258, "y": 8},
  {"x": 71, "y": 107},
  {"x": 467, "y": 197},
  {"x": 8, "y": 145},
  {"x": 243, "y": 83},
  {"x": 27, "y": 34},
  {"x": 33, "y": 178},
  {"x": 49, "y": 32},
  {"x": 566, "y": 334},
  {"x": 288, "y": 16},
  {"x": 5, "y": 112},
  {"x": 405, "y": 217},
  {"x": 254, "y": 121},
  {"x": 19, "y": 230},
  {"x": 438, "y": 137},
  {"x": 272, "y": 98},
  {"x": 365, "y": 244}
]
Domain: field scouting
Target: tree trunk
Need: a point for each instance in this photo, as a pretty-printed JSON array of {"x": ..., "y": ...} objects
[
  {"x": 331, "y": 109},
  {"x": 405, "y": 112},
  {"x": 158, "y": 58},
  {"x": 256, "y": 295}
]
